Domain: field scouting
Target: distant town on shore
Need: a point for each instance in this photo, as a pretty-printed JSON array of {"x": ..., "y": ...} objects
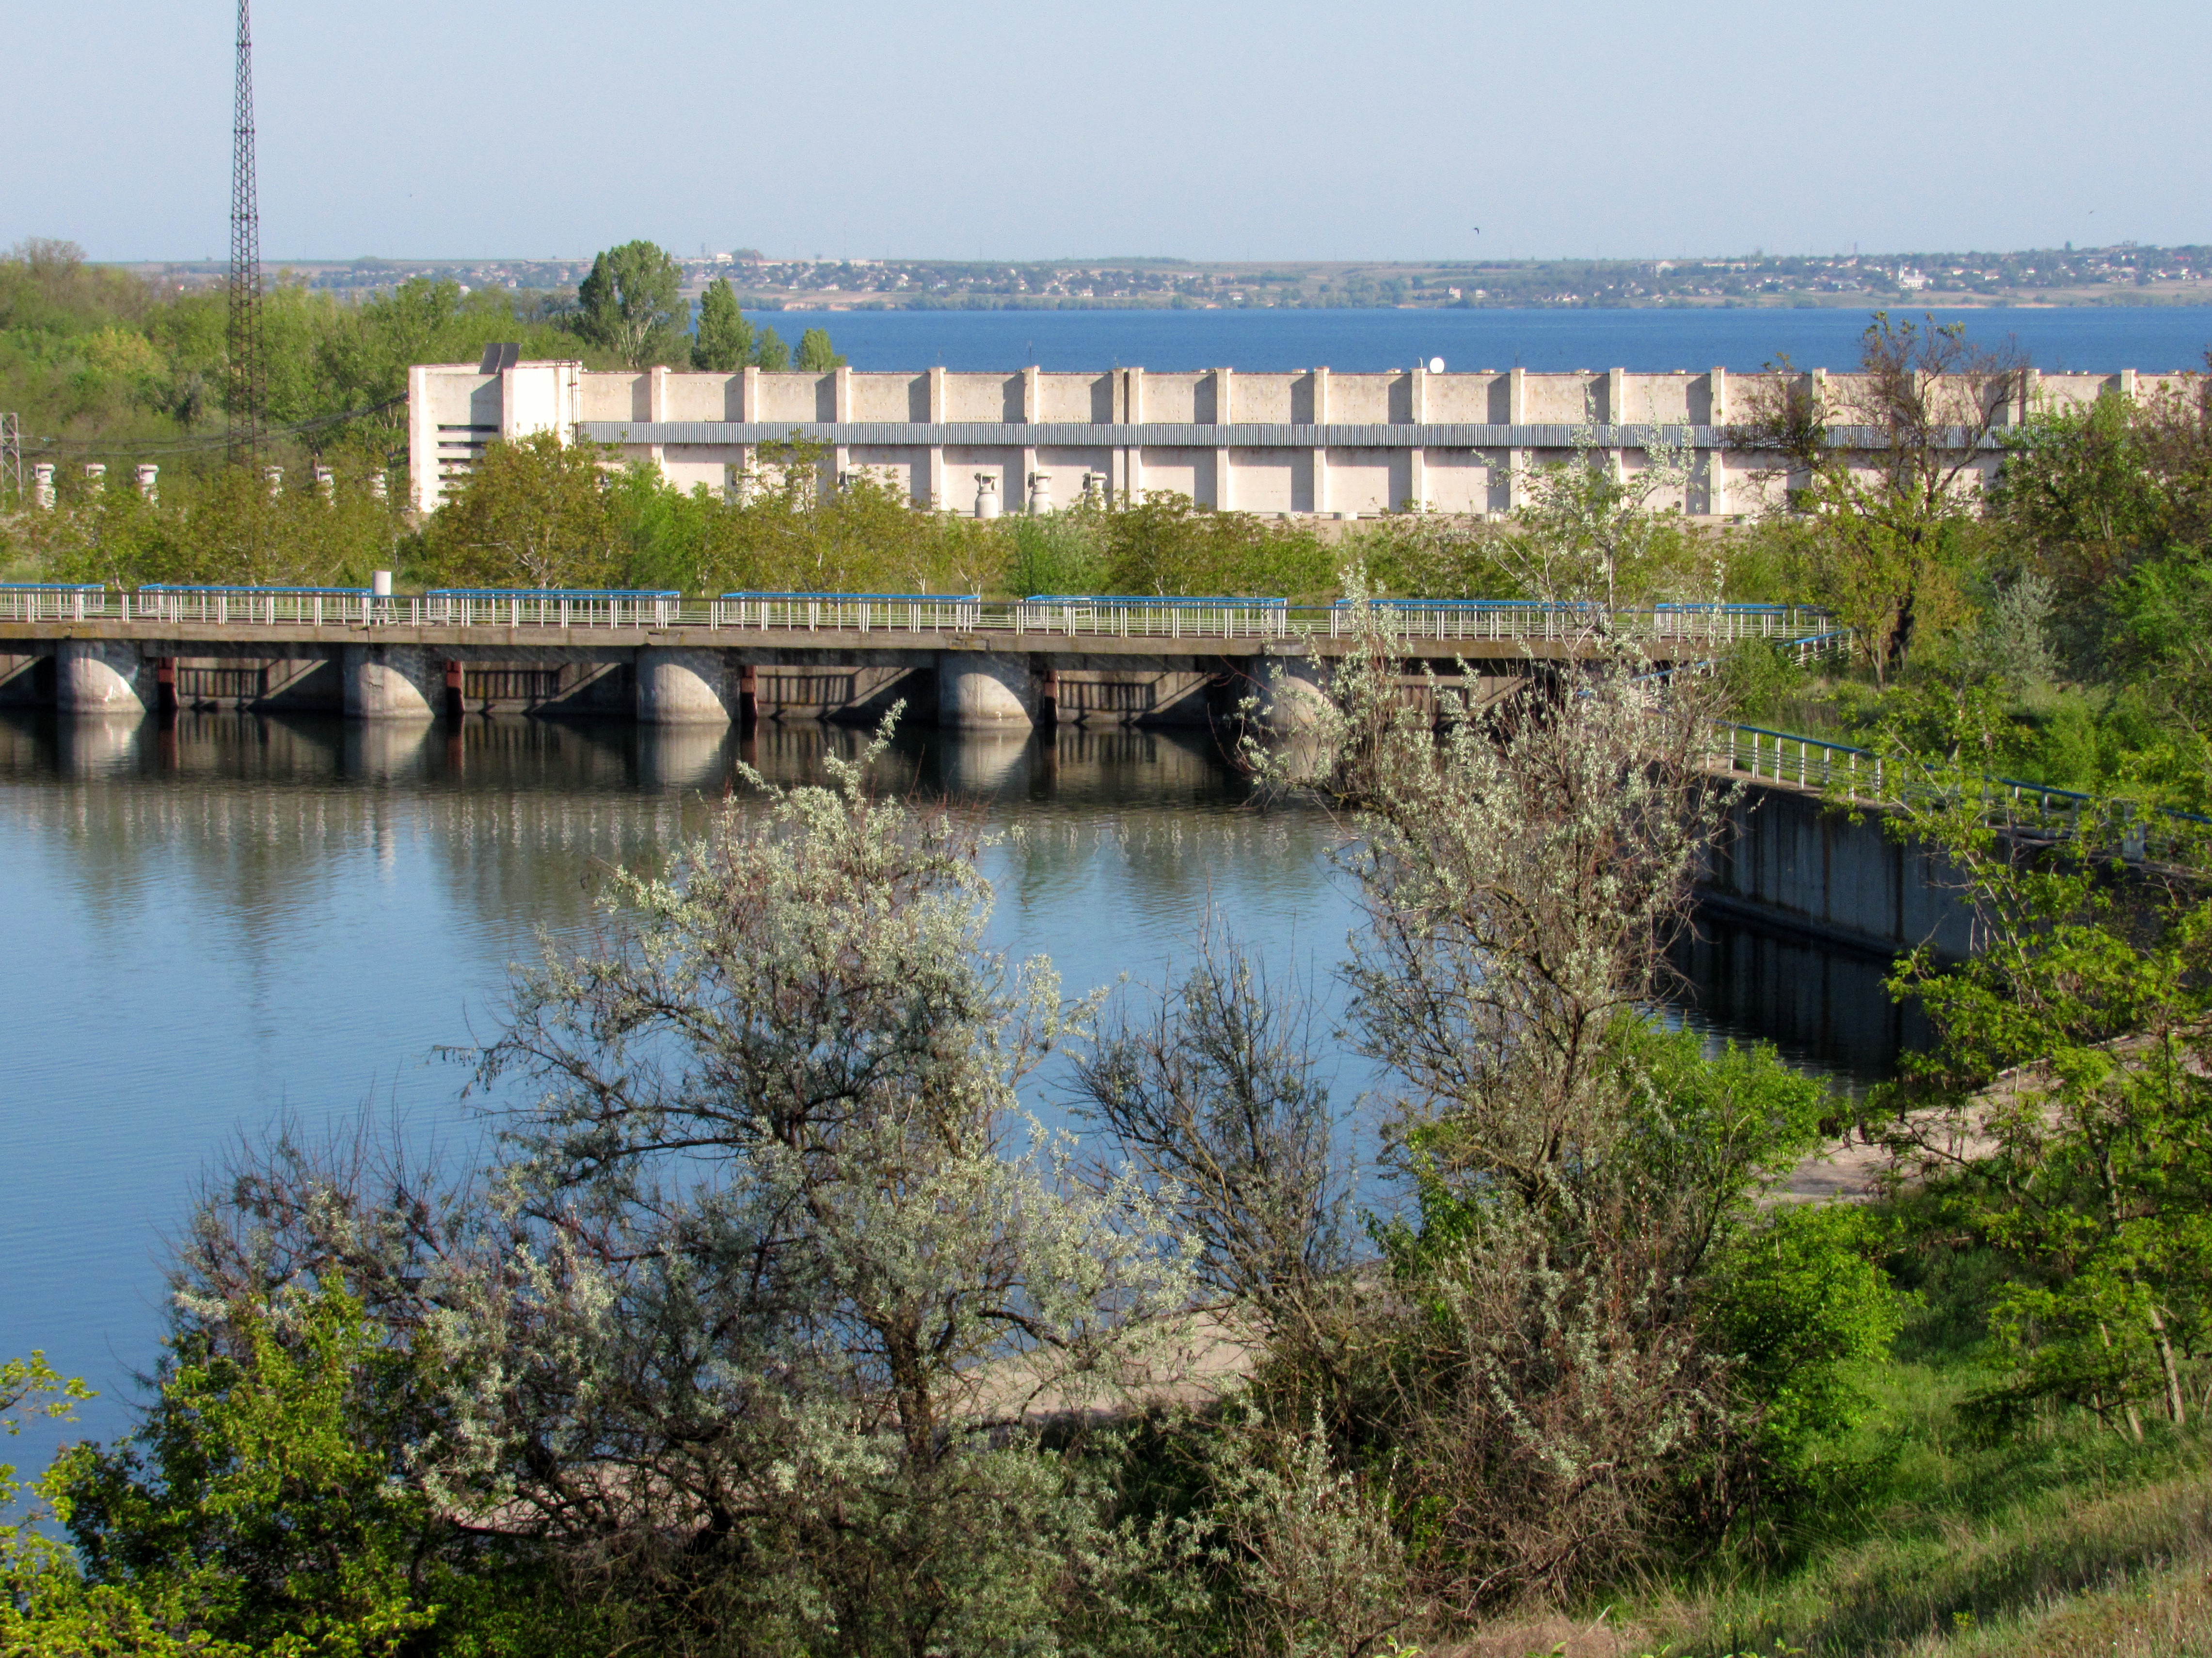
[{"x": 2125, "y": 274}]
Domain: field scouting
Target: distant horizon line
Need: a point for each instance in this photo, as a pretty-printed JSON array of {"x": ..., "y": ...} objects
[{"x": 1307, "y": 261}]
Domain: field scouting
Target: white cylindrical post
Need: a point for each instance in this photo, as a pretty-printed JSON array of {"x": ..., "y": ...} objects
[
  {"x": 987, "y": 495},
  {"x": 378, "y": 489},
  {"x": 95, "y": 475},
  {"x": 379, "y": 584},
  {"x": 42, "y": 483},
  {"x": 1040, "y": 493},
  {"x": 275, "y": 476},
  {"x": 150, "y": 485},
  {"x": 326, "y": 483}
]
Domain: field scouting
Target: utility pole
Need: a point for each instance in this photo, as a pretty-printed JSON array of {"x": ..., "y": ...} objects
[{"x": 247, "y": 386}]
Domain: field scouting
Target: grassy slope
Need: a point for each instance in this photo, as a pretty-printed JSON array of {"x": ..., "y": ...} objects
[{"x": 2063, "y": 1539}]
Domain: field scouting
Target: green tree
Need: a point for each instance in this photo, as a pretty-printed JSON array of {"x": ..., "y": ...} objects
[
  {"x": 532, "y": 514},
  {"x": 2065, "y": 1111},
  {"x": 769, "y": 352},
  {"x": 725, "y": 338},
  {"x": 630, "y": 303},
  {"x": 1893, "y": 508},
  {"x": 816, "y": 354},
  {"x": 259, "y": 1502}
]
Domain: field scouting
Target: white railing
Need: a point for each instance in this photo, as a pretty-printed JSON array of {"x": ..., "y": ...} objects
[
  {"x": 267, "y": 607},
  {"x": 1497, "y": 620},
  {"x": 40, "y": 601},
  {"x": 1119, "y": 615},
  {"x": 550, "y": 607},
  {"x": 1808, "y": 633},
  {"x": 859, "y": 613}
]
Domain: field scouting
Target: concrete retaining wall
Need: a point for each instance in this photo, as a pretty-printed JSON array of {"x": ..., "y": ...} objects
[{"x": 1789, "y": 858}]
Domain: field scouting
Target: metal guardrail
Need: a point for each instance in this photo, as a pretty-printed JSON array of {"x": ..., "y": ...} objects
[
  {"x": 549, "y": 607},
  {"x": 1809, "y": 633},
  {"x": 39, "y": 601},
  {"x": 250, "y": 606},
  {"x": 2021, "y": 808},
  {"x": 1506, "y": 619},
  {"x": 1130, "y": 616},
  {"x": 862, "y": 612}
]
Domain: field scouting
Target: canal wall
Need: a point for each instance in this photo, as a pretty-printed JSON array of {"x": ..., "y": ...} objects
[{"x": 1791, "y": 861}]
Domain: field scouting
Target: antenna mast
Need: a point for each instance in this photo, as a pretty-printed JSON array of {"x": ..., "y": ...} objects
[{"x": 248, "y": 381}]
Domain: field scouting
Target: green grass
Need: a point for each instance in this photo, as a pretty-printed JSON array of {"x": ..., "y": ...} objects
[{"x": 1931, "y": 1541}]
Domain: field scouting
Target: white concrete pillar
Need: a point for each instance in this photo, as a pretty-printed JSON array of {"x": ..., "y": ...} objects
[
  {"x": 841, "y": 393},
  {"x": 424, "y": 485},
  {"x": 749, "y": 399},
  {"x": 42, "y": 483},
  {"x": 149, "y": 483},
  {"x": 1032, "y": 394},
  {"x": 1717, "y": 486},
  {"x": 1616, "y": 397},
  {"x": 102, "y": 675},
  {"x": 376, "y": 486},
  {"x": 1717, "y": 387},
  {"x": 95, "y": 476},
  {"x": 2128, "y": 383},
  {"x": 939, "y": 487},
  {"x": 1417, "y": 478},
  {"x": 1132, "y": 411},
  {"x": 1040, "y": 492},
  {"x": 1417, "y": 394},
  {"x": 1516, "y": 414},
  {"x": 1223, "y": 494},
  {"x": 1224, "y": 395},
  {"x": 275, "y": 476},
  {"x": 326, "y": 484},
  {"x": 681, "y": 687},
  {"x": 1321, "y": 444},
  {"x": 979, "y": 691},
  {"x": 987, "y": 495},
  {"x": 391, "y": 682}
]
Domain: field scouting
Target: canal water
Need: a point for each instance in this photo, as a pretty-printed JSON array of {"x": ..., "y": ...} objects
[{"x": 241, "y": 919}]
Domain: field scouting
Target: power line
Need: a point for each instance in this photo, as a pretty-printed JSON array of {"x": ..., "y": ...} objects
[{"x": 247, "y": 375}]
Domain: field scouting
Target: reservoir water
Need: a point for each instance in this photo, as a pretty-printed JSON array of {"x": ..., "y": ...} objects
[
  {"x": 2083, "y": 338},
  {"x": 240, "y": 919}
]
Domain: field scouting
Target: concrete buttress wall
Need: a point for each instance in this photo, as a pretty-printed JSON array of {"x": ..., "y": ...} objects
[{"x": 979, "y": 691}]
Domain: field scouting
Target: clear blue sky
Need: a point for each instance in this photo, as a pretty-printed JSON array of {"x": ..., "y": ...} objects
[{"x": 982, "y": 128}]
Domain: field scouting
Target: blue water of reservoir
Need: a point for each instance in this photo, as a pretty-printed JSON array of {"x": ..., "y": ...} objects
[{"x": 2103, "y": 339}]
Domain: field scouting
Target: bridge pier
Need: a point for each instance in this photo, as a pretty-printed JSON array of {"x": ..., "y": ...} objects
[
  {"x": 978, "y": 690},
  {"x": 392, "y": 682},
  {"x": 681, "y": 687},
  {"x": 1293, "y": 692},
  {"x": 102, "y": 675}
]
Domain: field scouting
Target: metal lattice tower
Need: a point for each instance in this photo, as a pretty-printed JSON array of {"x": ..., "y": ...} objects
[
  {"x": 11, "y": 459},
  {"x": 247, "y": 384}
]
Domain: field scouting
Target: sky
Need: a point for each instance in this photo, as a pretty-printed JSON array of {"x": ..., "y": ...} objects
[{"x": 986, "y": 129}]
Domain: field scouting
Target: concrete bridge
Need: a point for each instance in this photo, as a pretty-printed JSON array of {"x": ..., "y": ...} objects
[{"x": 661, "y": 659}]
